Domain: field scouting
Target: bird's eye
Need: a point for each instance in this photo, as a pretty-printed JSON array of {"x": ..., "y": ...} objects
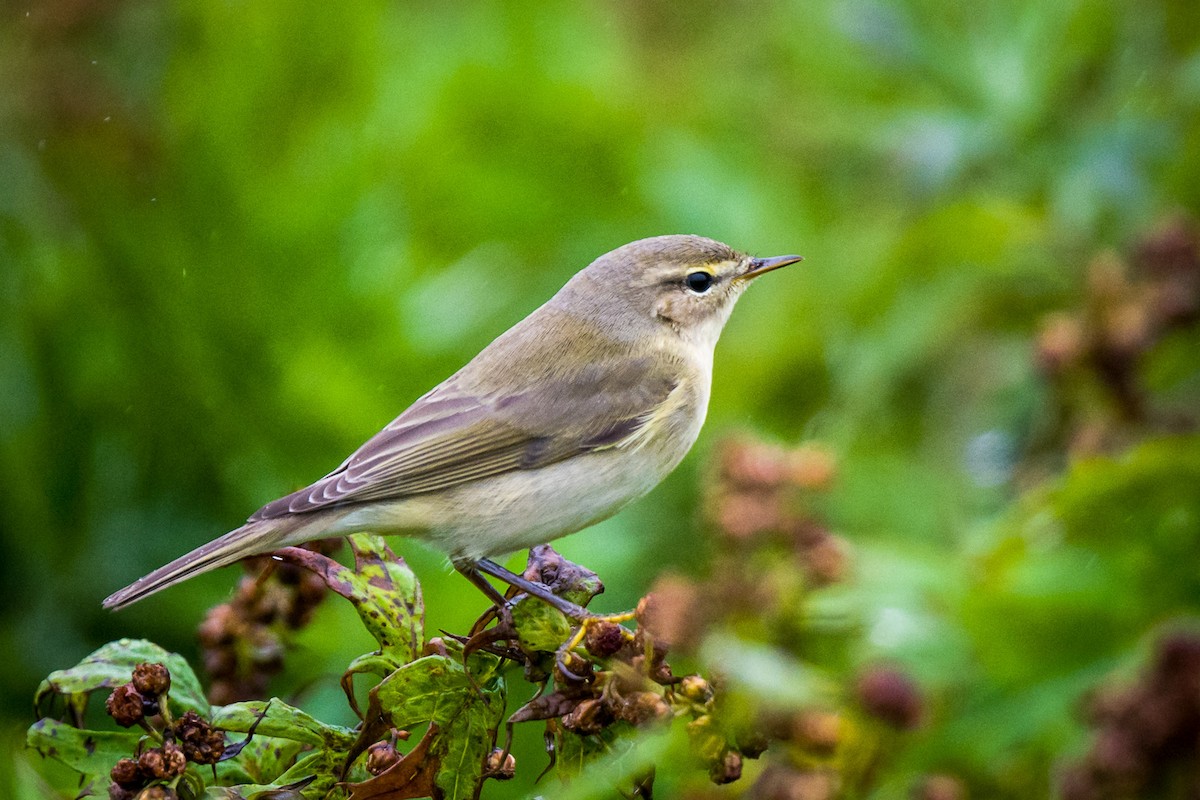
[{"x": 699, "y": 282}]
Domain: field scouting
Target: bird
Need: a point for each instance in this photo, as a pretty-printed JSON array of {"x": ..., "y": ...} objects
[{"x": 573, "y": 413}]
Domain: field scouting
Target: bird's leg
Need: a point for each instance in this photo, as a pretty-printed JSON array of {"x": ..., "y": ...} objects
[{"x": 570, "y": 610}]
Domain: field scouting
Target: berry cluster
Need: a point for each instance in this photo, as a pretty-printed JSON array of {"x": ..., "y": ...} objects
[
  {"x": 243, "y": 641},
  {"x": 606, "y": 675},
  {"x": 1106, "y": 343},
  {"x": 152, "y": 772},
  {"x": 1146, "y": 733}
]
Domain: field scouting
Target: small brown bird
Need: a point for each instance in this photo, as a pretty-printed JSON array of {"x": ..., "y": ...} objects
[{"x": 574, "y": 412}]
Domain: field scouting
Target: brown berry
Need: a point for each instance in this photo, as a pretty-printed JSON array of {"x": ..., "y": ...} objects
[
  {"x": 151, "y": 679},
  {"x": 381, "y": 757},
  {"x": 604, "y": 638},
  {"x": 125, "y": 772},
  {"x": 201, "y": 742},
  {"x": 891, "y": 696},
  {"x": 126, "y": 705},
  {"x": 118, "y": 792},
  {"x": 501, "y": 765},
  {"x": 162, "y": 763}
]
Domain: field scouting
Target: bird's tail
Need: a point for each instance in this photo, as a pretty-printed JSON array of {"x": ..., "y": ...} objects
[{"x": 253, "y": 538}]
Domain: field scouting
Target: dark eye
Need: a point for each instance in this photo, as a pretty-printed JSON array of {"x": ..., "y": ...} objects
[{"x": 699, "y": 282}]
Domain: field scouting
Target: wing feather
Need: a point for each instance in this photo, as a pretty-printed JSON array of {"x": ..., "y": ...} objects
[{"x": 451, "y": 436}]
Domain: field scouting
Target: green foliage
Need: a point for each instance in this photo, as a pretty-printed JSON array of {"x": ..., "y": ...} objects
[{"x": 236, "y": 240}]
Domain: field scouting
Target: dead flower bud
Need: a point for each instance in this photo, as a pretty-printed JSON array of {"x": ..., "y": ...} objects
[
  {"x": 604, "y": 638},
  {"x": 125, "y": 772},
  {"x": 643, "y": 707},
  {"x": 201, "y": 742},
  {"x": 501, "y": 765},
  {"x": 727, "y": 769},
  {"x": 126, "y": 705},
  {"x": 162, "y": 763},
  {"x": 381, "y": 757},
  {"x": 435, "y": 647},
  {"x": 590, "y": 716},
  {"x": 151, "y": 679}
]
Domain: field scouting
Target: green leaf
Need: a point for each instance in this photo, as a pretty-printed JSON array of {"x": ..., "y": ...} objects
[
  {"x": 429, "y": 689},
  {"x": 382, "y": 589},
  {"x": 89, "y": 752},
  {"x": 369, "y": 664},
  {"x": 320, "y": 766},
  {"x": 388, "y": 598},
  {"x": 540, "y": 628},
  {"x": 261, "y": 761},
  {"x": 276, "y": 718},
  {"x": 112, "y": 665},
  {"x": 466, "y": 742}
]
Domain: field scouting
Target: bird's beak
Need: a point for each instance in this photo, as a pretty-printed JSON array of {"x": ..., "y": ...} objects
[{"x": 761, "y": 266}]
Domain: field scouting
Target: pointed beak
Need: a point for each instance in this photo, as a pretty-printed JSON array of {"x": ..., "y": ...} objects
[{"x": 761, "y": 266}]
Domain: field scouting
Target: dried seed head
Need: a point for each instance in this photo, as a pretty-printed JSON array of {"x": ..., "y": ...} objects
[
  {"x": 151, "y": 679},
  {"x": 201, "y": 742},
  {"x": 381, "y": 757},
  {"x": 644, "y": 707},
  {"x": 125, "y": 772},
  {"x": 125, "y": 705},
  {"x": 162, "y": 763},
  {"x": 501, "y": 765},
  {"x": 604, "y": 638},
  {"x": 590, "y": 716}
]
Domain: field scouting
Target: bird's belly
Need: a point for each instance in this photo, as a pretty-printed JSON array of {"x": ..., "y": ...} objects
[{"x": 519, "y": 510}]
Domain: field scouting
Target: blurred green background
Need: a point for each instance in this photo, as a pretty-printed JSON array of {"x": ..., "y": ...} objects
[{"x": 236, "y": 239}]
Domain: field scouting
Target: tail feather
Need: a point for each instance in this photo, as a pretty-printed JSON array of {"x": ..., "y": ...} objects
[{"x": 253, "y": 538}]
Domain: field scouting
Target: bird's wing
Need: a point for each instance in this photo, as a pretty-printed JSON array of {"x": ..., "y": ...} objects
[{"x": 453, "y": 436}]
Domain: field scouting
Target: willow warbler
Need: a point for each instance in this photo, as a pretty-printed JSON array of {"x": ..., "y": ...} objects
[{"x": 574, "y": 412}]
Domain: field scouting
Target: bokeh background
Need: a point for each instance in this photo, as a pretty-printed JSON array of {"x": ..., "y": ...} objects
[{"x": 238, "y": 238}]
